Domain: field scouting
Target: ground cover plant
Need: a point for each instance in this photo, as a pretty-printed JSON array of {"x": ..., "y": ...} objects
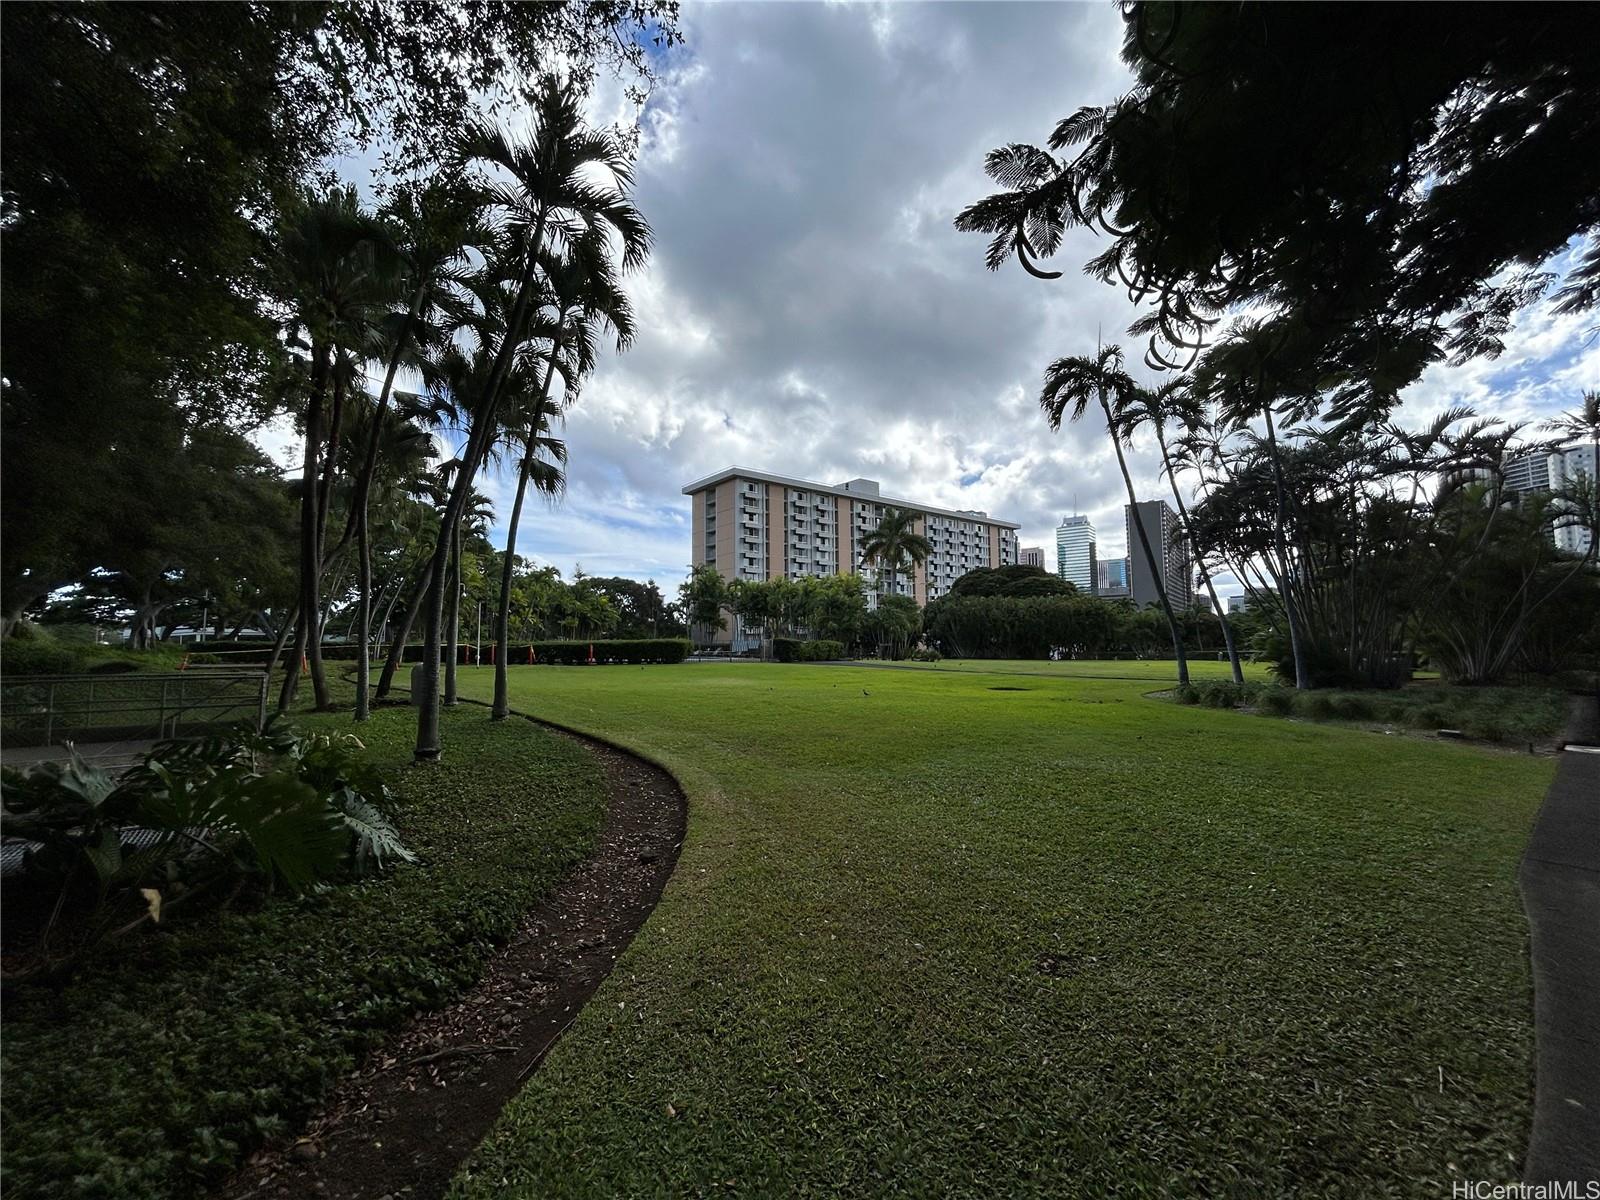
[
  {"x": 963, "y": 933},
  {"x": 1521, "y": 715},
  {"x": 158, "y": 1066}
]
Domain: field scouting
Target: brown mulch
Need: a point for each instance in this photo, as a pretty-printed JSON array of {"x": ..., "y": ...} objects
[{"x": 402, "y": 1124}]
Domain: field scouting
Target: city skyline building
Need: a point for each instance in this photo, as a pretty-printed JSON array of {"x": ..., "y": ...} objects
[
  {"x": 1075, "y": 553},
  {"x": 1111, "y": 579},
  {"x": 1031, "y": 556},
  {"x": 757, "y": 525},
  {"x": 1171, "y": 553},
  {"x": 1547, "y": 471}
]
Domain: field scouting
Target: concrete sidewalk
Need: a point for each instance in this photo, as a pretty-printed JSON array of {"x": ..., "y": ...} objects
[{"x": 1560, "y": 880}]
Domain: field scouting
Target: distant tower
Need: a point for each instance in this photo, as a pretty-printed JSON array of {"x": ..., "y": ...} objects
[
  {"x": 1170, "y": 550},
  {"x": 1075, "y": 561}
]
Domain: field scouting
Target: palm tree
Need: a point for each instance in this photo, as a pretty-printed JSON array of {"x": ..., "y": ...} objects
[
  {"x": 562, "y": 181},
  {"x": 894, "y": 542},
  {"x": 336, "y": 268},
  {"x": 1174, "y": 400},
  {"x": 1069, "y": 385},
  {"x": 436, "y": 225},
  {"x": 584, "y": 295}
]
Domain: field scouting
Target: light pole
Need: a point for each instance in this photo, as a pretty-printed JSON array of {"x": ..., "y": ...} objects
[{"x": 477, "y": 650}]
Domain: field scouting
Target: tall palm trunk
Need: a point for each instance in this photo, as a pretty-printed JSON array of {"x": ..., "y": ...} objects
[
  {"x": 453, "y": 640},
  {"x": 1291, "y": 608},
  {"x": 310, "y": 598},
  {"x": 502, "y": 632},
  {"x": 427, "y": 747},
  {"x": 1194, "y": 549},
  {"x": 363, "y": 618},
  {"x": 1157, "y": 571},
  {"x": 502, "y": 618},
  {"x": 358, "y": 503},
  {"x": 317, "y": 622},
  {"x": 397, "y": 648}
]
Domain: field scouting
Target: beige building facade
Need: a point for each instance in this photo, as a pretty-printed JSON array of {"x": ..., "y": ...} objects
[{"x": 756, "y": 525}]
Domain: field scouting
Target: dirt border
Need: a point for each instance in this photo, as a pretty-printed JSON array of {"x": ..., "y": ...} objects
[{"x": 405, "y": 1121}]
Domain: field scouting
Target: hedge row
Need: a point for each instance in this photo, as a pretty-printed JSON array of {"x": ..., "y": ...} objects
[
  {"x": 795, "y": 650},
  {"x": 641, "y": 650}
]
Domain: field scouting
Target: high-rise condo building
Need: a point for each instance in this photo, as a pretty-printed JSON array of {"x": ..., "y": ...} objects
[
  {"x": 1075, "y": 553},
  {"x": 1031, "y": 556},
  {"x": 754, "y": 525},
  {"x": 1547, "y": 470},
  {"x": 1169, "y": 548}
]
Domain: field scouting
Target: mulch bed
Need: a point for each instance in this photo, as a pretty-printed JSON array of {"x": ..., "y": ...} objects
[{"x": 403, "y": 1123}]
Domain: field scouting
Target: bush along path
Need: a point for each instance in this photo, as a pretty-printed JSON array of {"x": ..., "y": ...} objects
[{"x": 405, "y": 1122}]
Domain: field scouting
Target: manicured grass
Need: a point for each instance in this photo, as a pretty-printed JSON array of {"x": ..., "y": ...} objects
[
  {"x": 1157, "y": 671},
  {"x": 927, "y": 937},
  {"x": 158, "y": 1067}
]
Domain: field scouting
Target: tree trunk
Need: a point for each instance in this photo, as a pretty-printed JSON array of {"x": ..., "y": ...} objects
[
  {"x": 1291, "y": 609},
  {"x": 502, "y": 634},
  {"x": 358, "y": 521},
  {"x": 1157, "y": 571},
  {"x": 397, "y": 648},
  {"x": 363, "y": 616},
  {"x": 427, "y": 747},
  {"x": 1194, "y": 549},
  {"x": 310, "y": 523},
  {"x": 453, "y": 638}
]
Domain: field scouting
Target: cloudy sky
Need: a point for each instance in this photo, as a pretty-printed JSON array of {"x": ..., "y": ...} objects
[{"x": 810, "y": 309}]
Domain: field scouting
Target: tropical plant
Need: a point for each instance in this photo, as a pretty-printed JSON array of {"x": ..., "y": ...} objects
[
  {"x": 583, "y": 295},
  {"x": 1070, "y": 384},
  {"x": 557, "y": 184},
  {"x": 1174, "y": 403},
  {"x": 894, "y": 544},
  {"x": 117, "y": 852}
]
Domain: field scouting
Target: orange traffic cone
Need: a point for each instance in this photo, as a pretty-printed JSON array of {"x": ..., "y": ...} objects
[
  {"x": 531, "y": 658},
  {"x": 305, "y": 664},
  {"x": 183, "y": 663},
  {"x": 591, "y": 654}
]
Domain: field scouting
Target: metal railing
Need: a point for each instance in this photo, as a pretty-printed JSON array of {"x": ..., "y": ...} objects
[{"x": 50, "y": 710}]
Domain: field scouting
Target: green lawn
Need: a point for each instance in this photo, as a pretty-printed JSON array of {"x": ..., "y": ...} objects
[
  {"x": 932, "y": 935},
  {"x": 1158, "y": 672},
  {"x": 165, "y": 1060}
]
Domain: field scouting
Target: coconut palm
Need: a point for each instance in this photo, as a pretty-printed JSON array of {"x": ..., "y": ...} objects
[
  {"x": 1175, "y": 402},
  {"x": 1069, "y": 386},
  {"x": 555, "y": 185},
  {"x": 894, "y": 543}
]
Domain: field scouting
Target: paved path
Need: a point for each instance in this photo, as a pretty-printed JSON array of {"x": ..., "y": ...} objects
[{"x": 1560, "y": 880}]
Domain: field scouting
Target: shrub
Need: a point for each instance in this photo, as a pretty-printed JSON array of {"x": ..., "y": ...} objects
[
  {"x": 37, "y": 656},
  {"x": 1186, "y": 693},
  {"x": 1275, "y": 701},
  {"x": 1354, "y": 708},
  {"x": 1316, "y": 706},
  {"x": 927, "y": 654},
  {"x": 795, "y": 650}
]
